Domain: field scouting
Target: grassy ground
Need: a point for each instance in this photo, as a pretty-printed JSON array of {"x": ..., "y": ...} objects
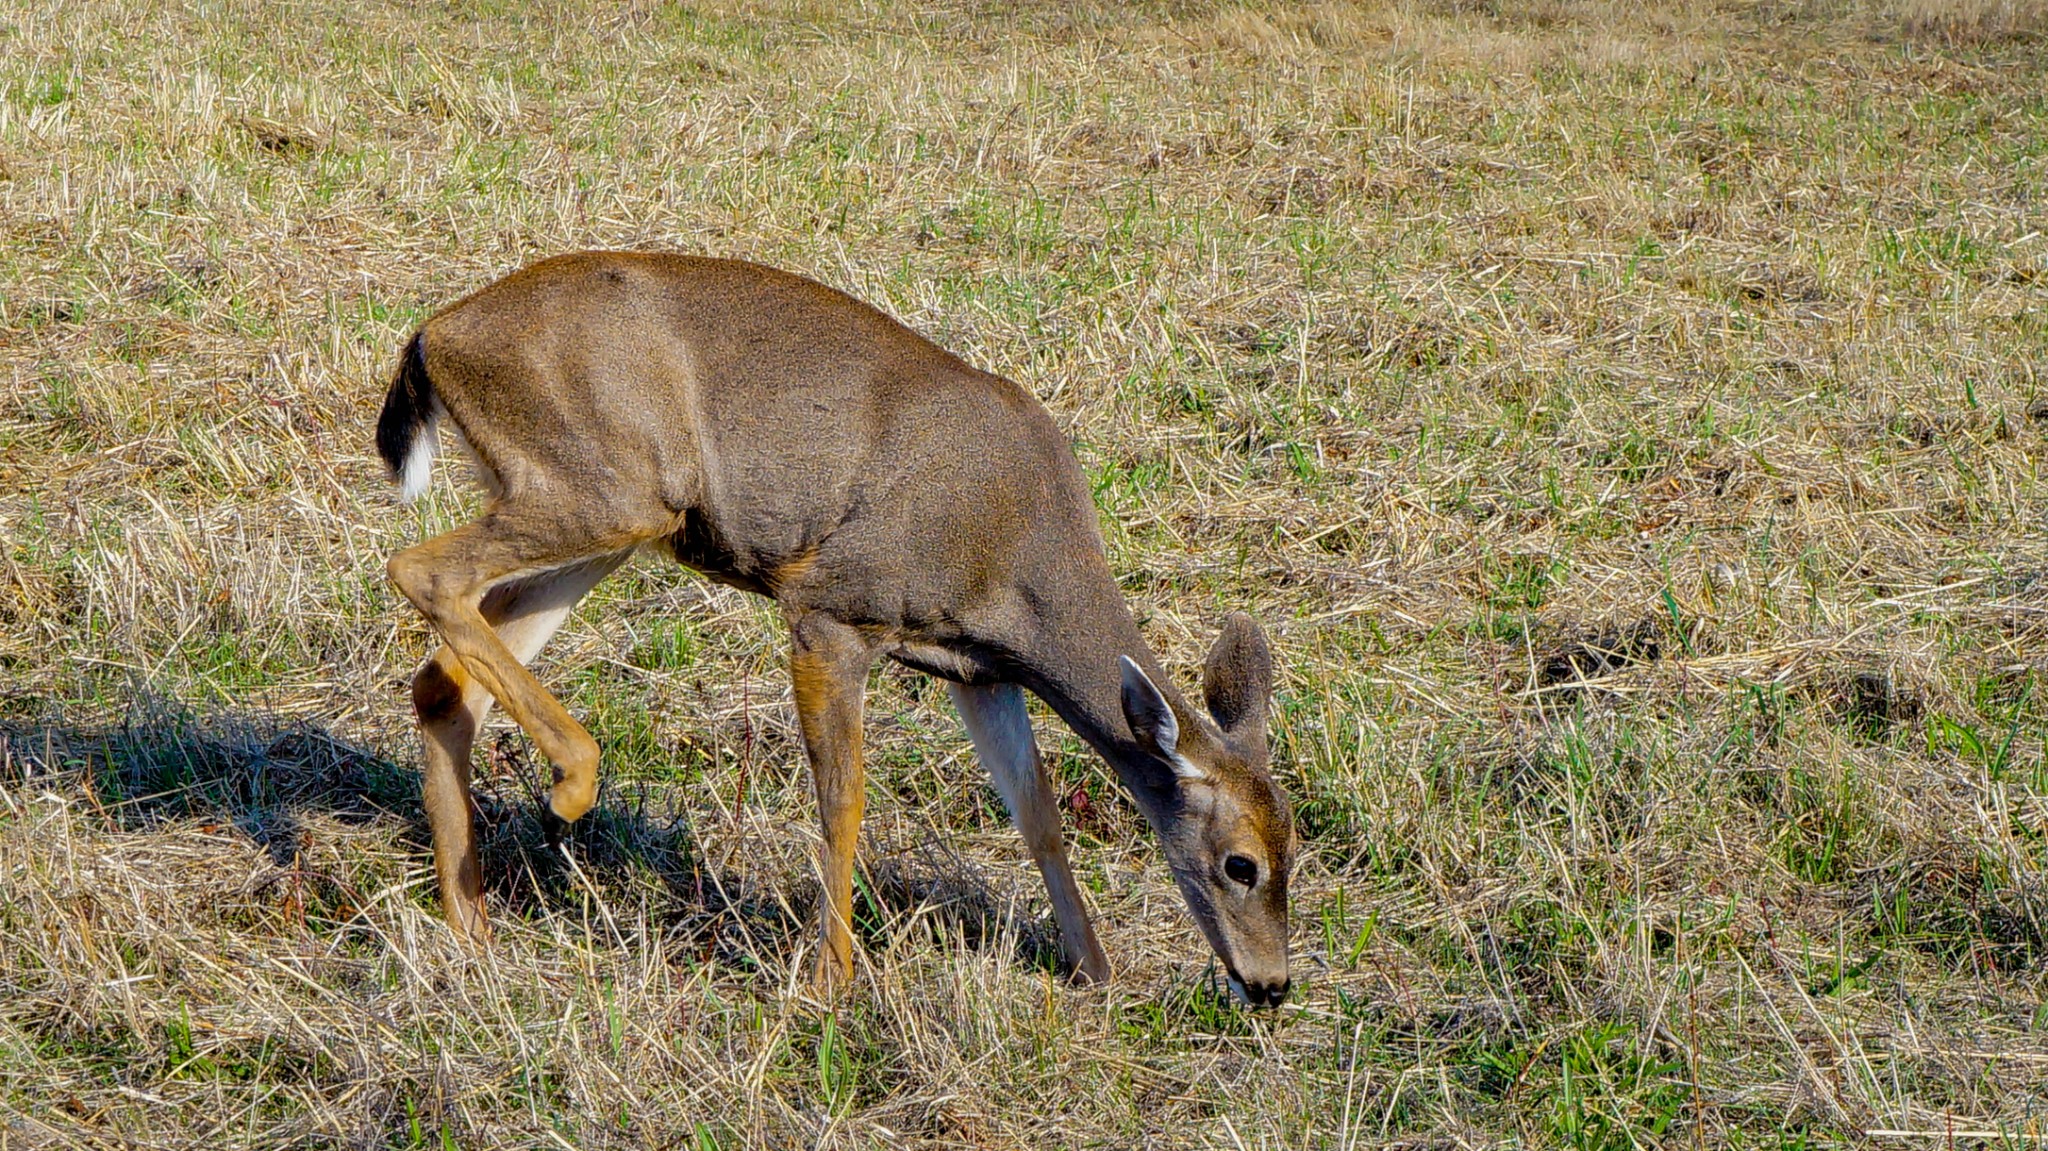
[{"x": 1482, "y": 351}]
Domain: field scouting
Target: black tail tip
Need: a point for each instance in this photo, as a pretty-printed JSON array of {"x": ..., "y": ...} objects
[{"x": 407, "y": 406}]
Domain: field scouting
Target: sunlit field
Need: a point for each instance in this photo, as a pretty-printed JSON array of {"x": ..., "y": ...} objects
[{"x": 1627, "y": 421}]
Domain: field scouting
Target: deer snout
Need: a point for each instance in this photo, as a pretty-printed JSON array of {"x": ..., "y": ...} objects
[
  {"x": 1261, "y": 994},
  {"x": 1262, "y": 982}
]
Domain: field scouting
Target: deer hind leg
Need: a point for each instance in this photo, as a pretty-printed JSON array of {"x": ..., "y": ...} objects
[
  {"x": 447, "y": 577},
  {"x": 1000, "y": 727},
  {"x": 451, "y": 707},
  {"x": 828, "y": 667}
]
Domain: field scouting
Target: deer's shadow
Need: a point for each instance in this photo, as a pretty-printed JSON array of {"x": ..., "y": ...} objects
[{"x": 263, "y": 775}]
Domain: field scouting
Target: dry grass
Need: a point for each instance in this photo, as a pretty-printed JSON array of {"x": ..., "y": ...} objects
[{"x": 1628, "y": 419}]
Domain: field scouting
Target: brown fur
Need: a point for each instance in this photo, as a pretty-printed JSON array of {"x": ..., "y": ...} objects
[{"x": 784, "y": 438}]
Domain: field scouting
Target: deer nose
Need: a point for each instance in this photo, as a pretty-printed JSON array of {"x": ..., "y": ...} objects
[{"x": 1267, "y": 994}]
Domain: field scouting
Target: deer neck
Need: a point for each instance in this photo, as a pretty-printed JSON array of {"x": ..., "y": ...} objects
[{"x": 1073, "y": 668}]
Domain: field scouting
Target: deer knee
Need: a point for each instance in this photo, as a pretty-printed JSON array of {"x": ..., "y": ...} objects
[
  {"x": 415, "y": 579},
  {"x": 401, "y": 570}
]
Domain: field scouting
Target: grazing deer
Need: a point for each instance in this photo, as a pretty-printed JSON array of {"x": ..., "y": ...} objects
[{"x": 782, "y": 437}]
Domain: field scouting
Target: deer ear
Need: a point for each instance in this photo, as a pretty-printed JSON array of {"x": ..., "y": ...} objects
[
  {"x": 1151, "y": 719},
  {"x": 1237, "y": 677}
]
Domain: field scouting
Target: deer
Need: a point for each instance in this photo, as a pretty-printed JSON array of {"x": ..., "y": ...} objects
[{"x": 779, "y": 436}]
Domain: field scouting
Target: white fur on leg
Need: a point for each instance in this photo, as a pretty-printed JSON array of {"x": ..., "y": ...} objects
[{"x": 1001, "y": 730}]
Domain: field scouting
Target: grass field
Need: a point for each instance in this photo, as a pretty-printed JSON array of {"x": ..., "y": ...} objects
[{"x": 1628, "y": 421}]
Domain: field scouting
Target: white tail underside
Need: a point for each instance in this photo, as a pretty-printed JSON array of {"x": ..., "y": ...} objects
[{"x": 419, "y": 461}]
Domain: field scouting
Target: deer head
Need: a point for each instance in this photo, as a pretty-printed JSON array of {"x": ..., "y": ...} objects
[{"x": 1227, "y": 830}]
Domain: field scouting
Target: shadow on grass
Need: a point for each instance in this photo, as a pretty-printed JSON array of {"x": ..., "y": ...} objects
[{"x": 264, "y": 774}]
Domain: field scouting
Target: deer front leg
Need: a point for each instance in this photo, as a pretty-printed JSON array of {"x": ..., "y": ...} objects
[
  {"x": 828, "y": 667},
  {"x": 1000, "y": 727}
]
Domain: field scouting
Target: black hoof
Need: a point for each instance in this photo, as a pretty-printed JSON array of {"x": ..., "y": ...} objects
[{"x": 552, "y": 826}]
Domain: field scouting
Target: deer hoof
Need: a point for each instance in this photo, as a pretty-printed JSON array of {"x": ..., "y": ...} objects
[{"x": 552, "y": 826}]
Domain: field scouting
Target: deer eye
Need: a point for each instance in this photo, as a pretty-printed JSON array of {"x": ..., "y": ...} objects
[{"x": 1241, "y": 870}]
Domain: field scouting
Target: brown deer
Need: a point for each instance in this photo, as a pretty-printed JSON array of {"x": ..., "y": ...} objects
[{"x": 782, "y": 437}]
